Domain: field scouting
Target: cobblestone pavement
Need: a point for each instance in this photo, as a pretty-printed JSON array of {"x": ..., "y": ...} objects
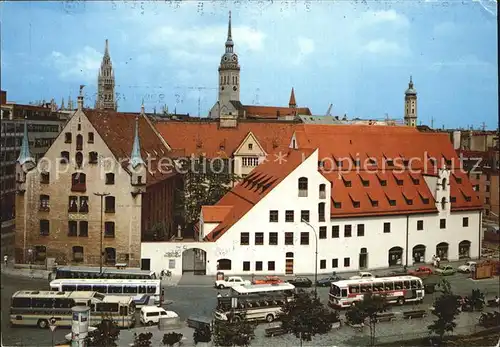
[{"x": 200, "y": 300}]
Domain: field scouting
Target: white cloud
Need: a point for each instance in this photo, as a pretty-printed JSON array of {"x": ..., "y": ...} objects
[
  {"x": 445, "y": 29},
  {"x": 383, "y": 17},
  {"x": 82, "y": 66},
  {"x": 464, "y": 62},
  {"x": 382, "y": 46},
  {"x": 305, "y": 47}
]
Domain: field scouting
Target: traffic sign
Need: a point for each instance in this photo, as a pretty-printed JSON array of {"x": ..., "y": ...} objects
[
  {"x": 52, "y": 327},
  {"x": 52, "y": 324}
]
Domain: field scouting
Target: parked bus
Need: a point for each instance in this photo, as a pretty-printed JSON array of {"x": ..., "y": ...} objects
[
  {"x": 285, "y": 289},
  {"x": 140, "y": 290},
  {"x": 107, "y": 273},
  {"x": 398, "y": 289},
  {"x": 253, "y": 307},
  {"x": 37, "y": 308}
]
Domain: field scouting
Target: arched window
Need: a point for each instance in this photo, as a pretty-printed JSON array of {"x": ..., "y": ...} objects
[
  {"x": 395, "y": 256},
  {"x": 224, "y": 264},
  {"x": 322, "y": 191},
  {"x": 442, "y": 251},
  {"x": 79, "y": 142},
  {"x": 77, "y": 253},
  {"x": 289, "y": 255},
  {"x": 79, "y": 159},
  {"x": 321, "y": 212},
  {"x": 443, "y": 203},
  {"x": 419, "y": 254},
  {"x": 78, "y": 182},
  {"x": 303, "y": 187},
  {"x": 464, "y": 249}
]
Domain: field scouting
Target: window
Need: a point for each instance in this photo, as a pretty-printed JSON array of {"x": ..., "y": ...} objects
[
  {"x": 259, "y": 238},
  {"x": 337, "y": 204},
  {"x": 487, "y": 200},
  {"x": 77, "y": 253},
  {"x": 90, "y": 137},
  {"x": 347, "y": 262},
  {"x": 356, "y": 204},
  {"x": 322, "y": 232},
  {"x": 93, "y": 157},
  {"x": 79, "y": 159},
  {"x": 347, "y": 230},
  {"x": 321, "y": 211},
  {"x": 273, "y": 239},
  {"x": 487, "y": 189},
  {"x": 250, "y": 161},
  {"x": 110, "y": 178},
  {"x": 79, "y": 142},
  {"x": 44, "y": 227},
  {"x": 45, "y": 178},
  {"x": 244, "y": 239},
  {"x": 78, "y": 182},
  {"x": 392, "y": 202},
  {"x": 72, "y": 228},
  {"x": 64, "y": 157},
  {"x": 420, "y": 225},
  {"x": 304, "y": 215},
  {"x": 84, "y": 228},
  {"x": 250, "y": 146},
  {"x": 109, "y": 229},
  {"x": 387, "y": 227},
  {"x": 335, "y": 263},
  {"x": 246, "y": 266},
  {"x": 303, "y": 187},
  {"x": 44, "y": 203},
  {"x": 73, "y": 204},
  {"x": 84, "y": 204},
  {"x": 465, "y": 221},
  {"x": 270, "y": 266},
  {"x": 258, "y": 266},
  {"x": 304, "y": 238},
  {"x": 322, "y": 191},
  {"x": 442, "y": 223},
  {"x": 335, "y": 231},
  {"x": 322, "y": 264},
  {"x": 273, "y": 216},
  {"x": 361, "y": 230},
  {"x": 67, "y": 138},
  {"x": 289, "y": 216},
  {"x": 288, "y": 238},
  {"x": 109, "y": 204},
  {"x": 347, "y": 183}
]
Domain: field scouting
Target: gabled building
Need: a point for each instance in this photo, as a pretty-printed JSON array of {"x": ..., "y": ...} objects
[
  {"x": 98, "y": 187},
  {"x": 368, "y": 197}
]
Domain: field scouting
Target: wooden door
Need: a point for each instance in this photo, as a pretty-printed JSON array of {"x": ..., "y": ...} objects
[{"x": 289, "y": 267}]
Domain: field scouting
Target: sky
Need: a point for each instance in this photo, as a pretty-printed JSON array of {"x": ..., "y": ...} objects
[{"x": 356, "y": 55}]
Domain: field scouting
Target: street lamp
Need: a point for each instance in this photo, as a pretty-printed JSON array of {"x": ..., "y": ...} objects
[
  {"x": 316, "y": 258},
  {"x": 102, "y": 195}
]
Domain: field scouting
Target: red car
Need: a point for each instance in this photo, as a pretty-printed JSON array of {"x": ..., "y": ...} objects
[{"x": 422, "y": 271}]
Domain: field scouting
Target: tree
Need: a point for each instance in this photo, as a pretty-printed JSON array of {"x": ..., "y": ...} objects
[
  {"x": 142, "y": 340},
  {"x": 306, "y": 316},
  {"x": 203, "y": 334},
  {"x": 446, "y": 308},
  {"x": 171, "y": 339},
  {"x": 106, "y": 334},
  {"x": 477, "y": 299},
  {"x": 369, "y": 308},
  {"x": 204, "y": 183},
  {"x": 233, "y": 332}
]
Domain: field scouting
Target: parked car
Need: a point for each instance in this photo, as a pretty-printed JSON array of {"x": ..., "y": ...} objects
[
  {"x": 231, "y": 282},
  {"x": 466, "y": 268},
  {"x": 396, "y": 273},
  {"x": 421, "y": 271},
  {"x": 301, "y": 282},
  {"x": 446, "y": 270},
  {"x": 362, "y": 275},
  {"x": 268, "y": 280},
  {"x": 326, "y": 281},
  {"x": 151, "y": 314}
]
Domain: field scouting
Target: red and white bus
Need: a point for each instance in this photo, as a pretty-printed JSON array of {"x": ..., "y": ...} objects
[{"x": 398, "y": 289}]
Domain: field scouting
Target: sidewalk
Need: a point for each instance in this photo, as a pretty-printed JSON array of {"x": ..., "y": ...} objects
[{"x": 10, "y": 270}]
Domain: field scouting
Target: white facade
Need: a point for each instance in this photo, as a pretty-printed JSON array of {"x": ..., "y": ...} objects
[{"x": 377, "y": 240}]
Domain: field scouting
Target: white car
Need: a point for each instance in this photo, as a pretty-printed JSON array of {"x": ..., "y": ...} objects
[
  {"x": 467, "y": 266},
  {"x": 231, "y": 282},
  {"x": 151, "y": 315},
  {"x": 362, "y": 275}
]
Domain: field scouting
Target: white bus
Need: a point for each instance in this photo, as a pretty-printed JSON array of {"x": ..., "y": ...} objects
[
  {"x": 253, "y": 307},
  {"x": 398, "y": 289},
  {"x": 285, "y": 289},
  {"x": 37, "y": 308},
  {"x": 140, "y": 290},
  {"x": 107, "y": 273}
]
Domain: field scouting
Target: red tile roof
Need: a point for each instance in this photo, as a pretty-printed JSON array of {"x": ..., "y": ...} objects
[
  {"x": 363, "y": 191},
  {"x": 253, "y": 188},
  {"x": 214, "y": 214},
  {"x": 187, "y": 138},
  {"x": 273, "y": 112},
  {"x": 117, "y": 130}
]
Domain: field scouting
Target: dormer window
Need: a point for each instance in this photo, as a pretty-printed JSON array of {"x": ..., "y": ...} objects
[
  {"x": 374, "y": 203},
  {"x": 321, "y": 164},
  {"x": 337, "y": 204},
  {"x": 389, "y": 162},
  {"x": 90, "y": 137},
  {"x": 67, "y": 138},
  {"x": 45, "y": 178},
  {"x": 468, "y": 198},
  {"x": 365, "y": 183},
  {"x": 356, "y": 204},
  {"x": 372, "y": 161},
  {"x": 347, "y": 183},
  {"x": 399, "y": 182},
  {"x": 93, "y": 158},
  {"x": 409, "y": 201},
  {"x": 453, "y": 199},
  {"x": 415, "y": 180},
  {"x": 458, "y": 179}
]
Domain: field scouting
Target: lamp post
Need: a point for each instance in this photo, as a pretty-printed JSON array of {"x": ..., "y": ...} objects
[
  {"x": 102, "y": 195},
  {"x": 315, "y": 259}
]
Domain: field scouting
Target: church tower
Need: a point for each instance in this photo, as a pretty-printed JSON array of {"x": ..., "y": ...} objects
[
  {"x": 229, "y": 72},
  {"x": 106, "y": 83},
  {"x": 410, "y": 105}
]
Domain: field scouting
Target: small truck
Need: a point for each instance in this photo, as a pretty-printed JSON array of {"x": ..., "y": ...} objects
[{"x": 230, "y": 282}]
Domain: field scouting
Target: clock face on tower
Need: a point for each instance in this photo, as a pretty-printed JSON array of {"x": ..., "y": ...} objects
[
  {"x": 235, "y": 58},
  {"x": 235, "y": 88}
]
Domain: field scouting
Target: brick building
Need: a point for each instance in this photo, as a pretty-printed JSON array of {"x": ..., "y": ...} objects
[{"x": 59, "y": 205}]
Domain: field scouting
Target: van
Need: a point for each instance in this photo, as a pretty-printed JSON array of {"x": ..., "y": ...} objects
[{"x": 151, "y": 315}]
